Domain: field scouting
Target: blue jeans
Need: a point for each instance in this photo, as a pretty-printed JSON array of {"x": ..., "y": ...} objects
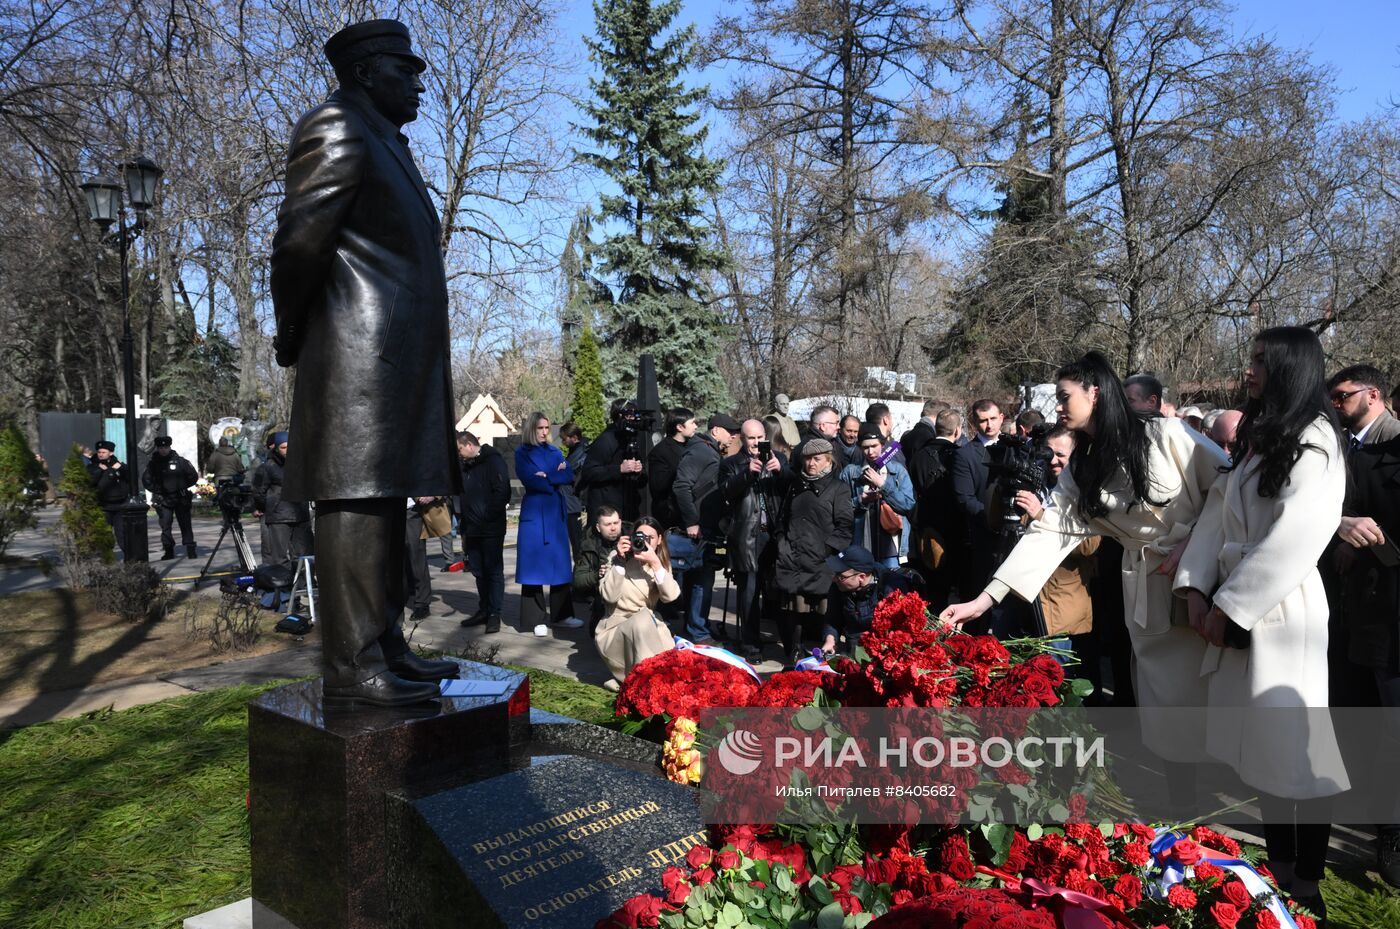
[
  {"x": 696, "y": 581},
  {"x": 487, "y": 559}
]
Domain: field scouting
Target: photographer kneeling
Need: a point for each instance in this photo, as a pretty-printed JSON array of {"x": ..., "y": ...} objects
[
  {"x": 638, "y": 579},
  {"x": 864, "y": 583}
]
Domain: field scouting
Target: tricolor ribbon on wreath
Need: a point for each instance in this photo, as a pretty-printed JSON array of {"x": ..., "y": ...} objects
[
  {"x": 1072, "y": 909},
  {"x": 718, "y": 654},
  {"x": 1171, "y": 871}
]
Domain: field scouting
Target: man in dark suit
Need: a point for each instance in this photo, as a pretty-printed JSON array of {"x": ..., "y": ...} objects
[
  {"x": 1370, "y": 595},
  {"x": 971, "y": 476},
  {"x": 360, "y": 294}
]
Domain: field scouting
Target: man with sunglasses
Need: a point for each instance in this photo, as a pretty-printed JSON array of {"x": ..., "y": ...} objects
[{"x": 1358, "y": 394}]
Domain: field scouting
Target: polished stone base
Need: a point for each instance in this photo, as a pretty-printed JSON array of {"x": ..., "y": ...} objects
[
  {"x": 319, "y": 778},
  {"x": 562, "y": 843}
]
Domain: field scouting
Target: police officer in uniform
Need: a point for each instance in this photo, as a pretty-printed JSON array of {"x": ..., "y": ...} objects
[
  {"x": 109, "y": 478},
  {"x": 168, "y": 479}
]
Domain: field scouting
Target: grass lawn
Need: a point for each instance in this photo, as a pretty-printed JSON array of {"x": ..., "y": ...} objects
[
  {"x": 53, "y": 640},
  {"x": 137, "y": 819}
]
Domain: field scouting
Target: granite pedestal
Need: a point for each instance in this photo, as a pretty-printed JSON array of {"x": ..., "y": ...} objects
[
  {"x": 562, "y": 843},
  {"x": 319, "y": 777}
]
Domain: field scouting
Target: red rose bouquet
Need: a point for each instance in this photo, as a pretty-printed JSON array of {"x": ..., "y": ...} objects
[{"x": 681, "y": 683}]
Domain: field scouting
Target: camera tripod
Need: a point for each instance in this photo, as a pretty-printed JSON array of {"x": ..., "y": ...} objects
[{"x": 233, "y": 525}]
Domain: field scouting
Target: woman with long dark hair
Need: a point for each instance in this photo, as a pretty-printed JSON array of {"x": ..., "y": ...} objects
[
  {"x": 1142, "y": 482},
  {"x": 1250, "y": 578}
]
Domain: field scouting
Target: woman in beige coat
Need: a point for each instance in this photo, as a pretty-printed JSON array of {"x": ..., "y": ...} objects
[
  {"x": 631, "y": 587},
  {"x": 1142, "y": 483},
  {"x": 1254, "y": 553}
]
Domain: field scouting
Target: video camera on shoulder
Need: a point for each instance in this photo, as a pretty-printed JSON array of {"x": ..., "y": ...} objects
[{"x": 1017, "y": 466}]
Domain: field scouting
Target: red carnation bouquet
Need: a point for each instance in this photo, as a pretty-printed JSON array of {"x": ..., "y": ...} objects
[{"x": 681, "y": 683}]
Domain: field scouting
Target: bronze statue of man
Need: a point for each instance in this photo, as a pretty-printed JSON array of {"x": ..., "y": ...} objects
[{"x": 360, "y": 294}]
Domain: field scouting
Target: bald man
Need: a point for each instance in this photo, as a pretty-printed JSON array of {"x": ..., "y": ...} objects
[{"x": 1225, "y": 430}]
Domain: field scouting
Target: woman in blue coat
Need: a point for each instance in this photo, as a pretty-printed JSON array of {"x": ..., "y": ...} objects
[{"x": 542, "y": 557}]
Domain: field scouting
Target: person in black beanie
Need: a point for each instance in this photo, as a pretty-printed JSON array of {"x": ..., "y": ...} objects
[
  {"x": 109, "y": 478},
  {"x": 168, "y": 478}
]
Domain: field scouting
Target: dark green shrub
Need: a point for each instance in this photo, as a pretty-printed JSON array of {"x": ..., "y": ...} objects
[
  {"x": 21, "y": 484},
  {"x": 85, "y": 540}
]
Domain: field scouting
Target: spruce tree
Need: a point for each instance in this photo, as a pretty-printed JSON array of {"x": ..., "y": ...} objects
[
  {"x": 21, "y": 484},
  {"x": 83, "y": 523},
  {"x": 587, "y": 408},
  {"x": 657, "y": 247}
]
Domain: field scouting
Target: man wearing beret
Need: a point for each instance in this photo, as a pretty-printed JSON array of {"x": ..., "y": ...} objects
[
  {"x": 168, "y": 478},
  {"x": 360, "y": 295},
  {"x": 109, "y": 478}
]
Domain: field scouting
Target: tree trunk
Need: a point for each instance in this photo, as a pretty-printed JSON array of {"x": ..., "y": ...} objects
[{"x": 1059, "y": 141}]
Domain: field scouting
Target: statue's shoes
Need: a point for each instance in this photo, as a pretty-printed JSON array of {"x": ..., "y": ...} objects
[
  {"x": 411, "y": 667},
  {"x": 385, "y": 689}
]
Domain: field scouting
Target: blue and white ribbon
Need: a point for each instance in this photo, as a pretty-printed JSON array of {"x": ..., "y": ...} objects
[
  {"x": 719, "y": 654},
  {"x": 1172, "y": 872}
]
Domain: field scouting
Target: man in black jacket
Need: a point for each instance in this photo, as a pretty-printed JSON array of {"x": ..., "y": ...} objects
[
  {"x": 863, "y": 584},
  {"x": 749, "y": 481},
  {"x": 482, "y": 525},
  {"x": 286, "y": 525},
  {"x": 971, "y": 478},
  {"x": 612, "y": 473},
  {"x": 168, "y": 478},
  {"x": 1370, "y": 588},
  {"x": 940, "y": 531},
  {"x": 594, "y": 555},
  {"x": 109, "y": 478},
  {"x": 700, "y": 507},
  {"x": 662, "y": 463}
]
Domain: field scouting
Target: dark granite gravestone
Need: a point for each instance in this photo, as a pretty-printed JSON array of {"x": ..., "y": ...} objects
[
  {"x": 318, "y": 780},
  {"x": 560, "y": 844}
]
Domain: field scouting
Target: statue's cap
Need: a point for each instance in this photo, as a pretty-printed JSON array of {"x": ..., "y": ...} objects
[{"x": 377, "y": 36}]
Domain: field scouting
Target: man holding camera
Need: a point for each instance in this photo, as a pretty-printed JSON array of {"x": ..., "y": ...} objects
[
  {"x": 613, "y": 473},
  {"x": 700, "y": 506},
  {"x": 168, "y": 478},
  {"x": 750, "y": 482},
  {"x": 594, "y": 555}
]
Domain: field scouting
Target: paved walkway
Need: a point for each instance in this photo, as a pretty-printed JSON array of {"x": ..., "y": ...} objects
[{"x": 568, "y": 652}]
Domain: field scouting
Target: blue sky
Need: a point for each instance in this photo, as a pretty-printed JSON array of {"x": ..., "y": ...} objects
[{"x": 1358, "y": 38}]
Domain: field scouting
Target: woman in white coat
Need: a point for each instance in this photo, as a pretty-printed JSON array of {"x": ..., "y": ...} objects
[
  {"x": 1142, "y": 482},
  {"x": 1254, "y": 554}
]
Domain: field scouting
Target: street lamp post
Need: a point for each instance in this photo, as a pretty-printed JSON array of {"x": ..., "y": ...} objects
[{"x": 104, "y": 202}]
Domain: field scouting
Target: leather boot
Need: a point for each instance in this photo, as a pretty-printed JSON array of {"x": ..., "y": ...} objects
[
  {"x": 191, "y": 551},
  {"x": 476, "y": 619},
  {"x": 410, "y": 667},
  {"x": 493, "y": 624},
  {"x": 385, "y": 689},
  {"x": 168, "y": 554}
]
